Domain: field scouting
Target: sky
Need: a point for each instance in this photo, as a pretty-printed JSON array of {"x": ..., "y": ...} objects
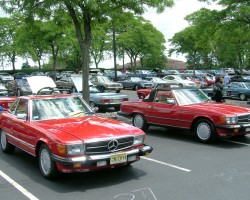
[{"x": 169, "y": 22}]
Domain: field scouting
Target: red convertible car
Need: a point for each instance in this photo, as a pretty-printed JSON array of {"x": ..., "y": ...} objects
[
  {"x": 189, "y": 109},
  {"x": 66, "y": 136}
]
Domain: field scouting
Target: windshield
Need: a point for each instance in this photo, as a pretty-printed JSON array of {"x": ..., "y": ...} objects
[
  {"x": 187, "y": 97},
  {"x": 93, "y": 89},
  {"x": 22, "y": 82},
  {"x": 105, "y": 79},
  {"x": 58, "y": 108}
]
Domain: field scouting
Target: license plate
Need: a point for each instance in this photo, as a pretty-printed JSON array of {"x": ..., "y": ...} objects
[
  {"x": 118, "y": 158},
  {"x": 116, "y": 100},
  {"x": 247, "y": 129}
]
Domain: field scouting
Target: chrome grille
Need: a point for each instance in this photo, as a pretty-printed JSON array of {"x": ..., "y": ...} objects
[
  {"x": 244, "y": 118},
  {"x": 101, "y": 146}
]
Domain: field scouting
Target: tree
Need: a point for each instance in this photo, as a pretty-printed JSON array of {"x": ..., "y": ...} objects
[
  {"x": 82, "y": 13},
  {"x": 8, "y": 47}
]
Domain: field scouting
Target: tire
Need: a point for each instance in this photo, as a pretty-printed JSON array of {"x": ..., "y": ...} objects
[
  {"x": 140, "y": 122},
  {"x": 141, "y": 96},
  {"x": 91, "y": 104},
  {"x": 117, "y": 108},
  {"x": 136, "y": 87},
  {"x": 181, "y": 85},
  {"x": 18, "y": 92},
  {"x": 118, "y": 91},
  {"x": 73, "y": 89},
  {"x": 242, "y": 97},
  {"x": 5, "y": 145},
  {"x": 102, "y": 88},
  {"x": 46, "y": 164},
  {"x": 205, "y": 131}
]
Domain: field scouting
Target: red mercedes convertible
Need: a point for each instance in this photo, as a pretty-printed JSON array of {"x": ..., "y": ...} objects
[
  {"x": 65, "y": 135},
  {"x": 188, "y": 109}
]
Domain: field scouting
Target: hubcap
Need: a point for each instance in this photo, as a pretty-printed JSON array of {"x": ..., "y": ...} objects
[
  {"x": 138, "y": 121},
  {"x": 203, "y": 131},
  {"x": 3, "y": 140},
  {"x": 45, "y": 161}
]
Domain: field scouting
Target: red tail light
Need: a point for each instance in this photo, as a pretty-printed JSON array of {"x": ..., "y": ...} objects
[
  {"x": 105, "y": 100},
  {"x": 125, "y": 99}
]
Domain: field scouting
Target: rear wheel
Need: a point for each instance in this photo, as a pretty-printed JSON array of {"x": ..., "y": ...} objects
[
  {"x": 242, "y": 97},
  {"x": 92, "y": 104},
  {"x": 205, "y": 131},
  {"x": 140, "y": 122},
  {"x": 5, "y": 145},
  {"x": 136, "y": 87},
  {"x": 73, "y": 89},
  {"x": 46, "y": 163},
  {"x": 117, "y": 108},
  {"x": 18, "y": 92}
]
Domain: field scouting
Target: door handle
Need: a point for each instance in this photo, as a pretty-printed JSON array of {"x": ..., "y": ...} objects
[{"x": 151, "y": 107}]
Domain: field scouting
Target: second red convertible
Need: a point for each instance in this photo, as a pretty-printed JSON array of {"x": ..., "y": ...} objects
[
  {"x": 189, "y": 109},
  {"x": 66, "y": 136}
]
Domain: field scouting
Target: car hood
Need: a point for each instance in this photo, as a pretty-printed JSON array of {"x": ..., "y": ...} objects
[
  {"x": 220, "y": 108},
  {"x": 87, "y": 128},
  {"x": 36, "y": 83}
]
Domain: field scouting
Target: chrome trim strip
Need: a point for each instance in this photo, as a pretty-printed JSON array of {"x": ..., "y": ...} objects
[{"x": 21, "y": 141}]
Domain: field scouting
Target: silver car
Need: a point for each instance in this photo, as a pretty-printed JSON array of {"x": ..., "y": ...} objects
[{"x": 100, "y": 99}]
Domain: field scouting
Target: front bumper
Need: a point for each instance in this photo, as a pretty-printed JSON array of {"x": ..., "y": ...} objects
[
  {"x": 231, "y": 130},
  {"x": 94, "y": 162}
]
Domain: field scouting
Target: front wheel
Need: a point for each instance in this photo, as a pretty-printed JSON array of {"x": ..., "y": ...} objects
[
  {"x": 205, "y": 131},
  {"x": 46, "y": 163},
  {"x": 140, "y": 122},
  {"x": 5, "y": 145}
]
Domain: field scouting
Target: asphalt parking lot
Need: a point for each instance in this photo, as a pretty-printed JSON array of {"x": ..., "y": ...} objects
[{"x": 179, "y": 168}]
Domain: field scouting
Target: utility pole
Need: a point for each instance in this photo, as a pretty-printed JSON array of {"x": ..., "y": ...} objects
[{"x": 114, "y": 51}]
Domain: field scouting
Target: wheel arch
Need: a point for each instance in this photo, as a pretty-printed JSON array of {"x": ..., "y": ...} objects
[{"x": 197, "y": 119}]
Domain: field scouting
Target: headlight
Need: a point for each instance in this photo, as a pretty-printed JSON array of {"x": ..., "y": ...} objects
[
  {"x": 138, "y": 140},
  {"x": 75, "y": 149},
  {"x": 229, "y": 120}
]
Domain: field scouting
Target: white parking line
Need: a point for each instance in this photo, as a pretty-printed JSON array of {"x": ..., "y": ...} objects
[
  {"x": 18, "y": 187},
  {"x": 169, "y": 165}
]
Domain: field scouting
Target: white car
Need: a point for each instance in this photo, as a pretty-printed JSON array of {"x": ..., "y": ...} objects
[
  {"x": 5, "y": 77},
  {"x": 179, "y": 80}
]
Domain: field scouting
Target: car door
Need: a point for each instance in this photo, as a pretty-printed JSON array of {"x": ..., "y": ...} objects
[
  {"x": 233, "y": 89},
  {"x": 162, "y": 110},
  {"x": 25, "y": 135}
]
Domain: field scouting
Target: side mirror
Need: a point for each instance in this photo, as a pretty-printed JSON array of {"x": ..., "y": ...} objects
[{"x": 22, "y": 116}]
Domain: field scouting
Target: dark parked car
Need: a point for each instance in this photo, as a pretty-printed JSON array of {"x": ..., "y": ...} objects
[
  {"x": 240, "y": 78},
  {"x": 19, "y": 86},
  {"x": 136, "y": 83},
  {"x": 240, "y": 90}
]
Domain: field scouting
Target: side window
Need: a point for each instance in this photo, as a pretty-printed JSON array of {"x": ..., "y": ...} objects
[{"x": 22, "y": 107}]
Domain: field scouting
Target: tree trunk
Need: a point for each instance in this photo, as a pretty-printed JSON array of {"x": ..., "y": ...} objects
[{"x": 84, "y": 47}]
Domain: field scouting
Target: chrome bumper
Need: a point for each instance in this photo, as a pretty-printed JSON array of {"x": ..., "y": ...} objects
[{"x": 88, "y": 160}]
